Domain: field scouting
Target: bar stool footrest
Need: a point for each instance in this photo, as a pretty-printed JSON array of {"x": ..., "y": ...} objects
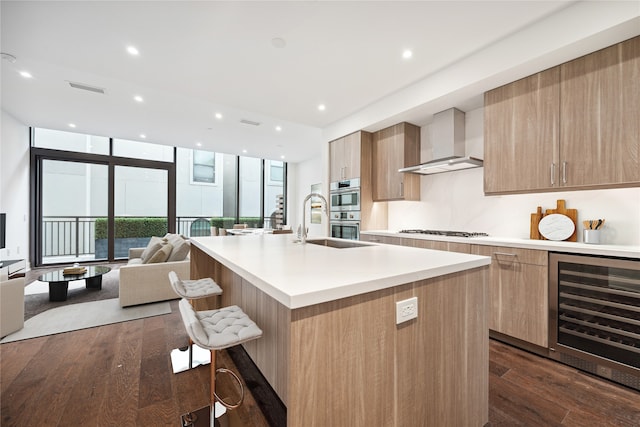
[{"x": 235, "y": 377}]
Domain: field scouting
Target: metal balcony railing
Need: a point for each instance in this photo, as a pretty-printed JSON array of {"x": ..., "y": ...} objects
[{"x": 75, "y": 236}]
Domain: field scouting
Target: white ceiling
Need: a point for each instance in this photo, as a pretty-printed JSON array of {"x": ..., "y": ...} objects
[{"x": 199, "y": 58}]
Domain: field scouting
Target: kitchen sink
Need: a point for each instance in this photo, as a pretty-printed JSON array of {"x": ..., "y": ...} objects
[{"x": 340, "y": 244}]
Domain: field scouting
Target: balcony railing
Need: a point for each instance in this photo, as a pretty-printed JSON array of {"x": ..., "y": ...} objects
[{"x": 75, "y": 236}]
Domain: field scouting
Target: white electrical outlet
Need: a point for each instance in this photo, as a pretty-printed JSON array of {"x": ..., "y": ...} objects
[{"x": 406, "y": 310}]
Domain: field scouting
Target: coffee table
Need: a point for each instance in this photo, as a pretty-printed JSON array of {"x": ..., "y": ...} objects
[{"x": 59, "y": 283}]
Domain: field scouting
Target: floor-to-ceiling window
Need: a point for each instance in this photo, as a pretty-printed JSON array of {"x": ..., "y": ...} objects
[{"x": 111, "y": 194}]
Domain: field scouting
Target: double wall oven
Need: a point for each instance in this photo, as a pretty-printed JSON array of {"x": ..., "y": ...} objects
[{"x": 345, "y": 209}]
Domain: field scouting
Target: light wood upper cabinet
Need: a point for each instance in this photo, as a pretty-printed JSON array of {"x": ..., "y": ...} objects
[
  {"x": 600, "y": 111},
  {"x": 344, "y": 157},
  {"x": 518, "y": 292},
  {"x": 394, "y": 148},
  {"x": 573, "y": 126},
  {"x": 521, "y": 134}
]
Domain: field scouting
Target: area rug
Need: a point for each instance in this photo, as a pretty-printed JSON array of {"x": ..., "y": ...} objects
[
  {"x": 36, "y": 294},
  {"x": 73, "y": 317}
]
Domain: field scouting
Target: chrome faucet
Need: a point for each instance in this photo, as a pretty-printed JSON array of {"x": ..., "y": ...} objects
[{"x": 303, "y": 232}]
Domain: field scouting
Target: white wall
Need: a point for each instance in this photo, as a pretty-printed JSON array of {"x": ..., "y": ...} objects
[
  {"x": 14, "y": 186},
  {"x": 301, "y": 177},
  {"x": 456, "y": 201}
]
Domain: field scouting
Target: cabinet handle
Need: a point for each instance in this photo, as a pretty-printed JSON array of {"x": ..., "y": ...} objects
[
  {"x": 401, "y": 188},
  {"x": 553, "y": 172},
  {"x": 564, "y": 172},
  {"x": 510, "y": 261},
  {"x": 504, "y": 254}
]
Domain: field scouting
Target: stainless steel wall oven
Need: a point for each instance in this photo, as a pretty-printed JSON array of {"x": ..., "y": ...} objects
[
  {"x": 345, "y": 195},
  {"x": 594, "y": 322},
  {"x": 345, "y": 225}
]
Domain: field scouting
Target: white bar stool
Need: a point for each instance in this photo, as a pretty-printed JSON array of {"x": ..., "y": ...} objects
[
  {"x": 191, "y": 290},
  {"x": 216, "y": 330}
]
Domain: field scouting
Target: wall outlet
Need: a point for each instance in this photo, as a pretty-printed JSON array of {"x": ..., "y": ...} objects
[{"x": 406, "y": 310}]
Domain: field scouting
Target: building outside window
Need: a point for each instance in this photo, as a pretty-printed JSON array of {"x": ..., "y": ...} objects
[{"x": 203, "y": 167}]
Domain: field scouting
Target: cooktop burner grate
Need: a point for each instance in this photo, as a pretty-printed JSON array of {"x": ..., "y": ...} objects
[{"x": 446, "y": 233}]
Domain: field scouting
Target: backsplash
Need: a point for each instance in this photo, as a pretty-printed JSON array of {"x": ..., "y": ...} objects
[{"x": 456, "y": 201}]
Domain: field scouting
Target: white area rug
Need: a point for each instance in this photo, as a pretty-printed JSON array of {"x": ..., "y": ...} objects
[{"x": 84, "y": 315}]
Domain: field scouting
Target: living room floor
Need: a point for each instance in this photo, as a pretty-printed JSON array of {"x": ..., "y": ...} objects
[{"x": 120, "y": 374}]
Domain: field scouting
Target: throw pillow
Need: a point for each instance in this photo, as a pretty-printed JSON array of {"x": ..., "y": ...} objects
[
  {"x": 155, "y": 243},
  {"x": 180, "y": 250},
  {"x": 161, "y": 255}
]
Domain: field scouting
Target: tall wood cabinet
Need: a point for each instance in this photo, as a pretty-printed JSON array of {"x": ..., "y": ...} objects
[
  {"x": 345, "y": 157},
  {"x": 350, "y": 157},
  {"x": 394, "y": 148},
  {"x": 518, "y": 292},
  {"x": 573, "y": 126},
  {"x": 600, "y": 117},
  {"x": 521, "y": 133}
]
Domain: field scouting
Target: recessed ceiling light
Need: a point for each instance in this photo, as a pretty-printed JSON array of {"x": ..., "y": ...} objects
[
  {"x": 133, "y": 50},
  {"x": 218, "y": 116},
  {"x": 26, "y": 74},
  {"x": 138, "y": 98},
  {"x": 282, "y": 157},
  {"x": 143, "y": 136},
  {"x": 278, "y": 128},
  {"x": 322, "y": 107},
  {"x": 72, "y": 125},
  {"x": 407, "y": 54},
  {"x": 199, "y": 144},
  {"x": 244, "y": 151}
]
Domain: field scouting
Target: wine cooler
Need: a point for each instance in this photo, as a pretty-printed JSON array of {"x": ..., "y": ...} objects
[{"x": 594, "y": 322}]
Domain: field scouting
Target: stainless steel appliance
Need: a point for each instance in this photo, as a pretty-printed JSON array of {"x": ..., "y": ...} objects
[
  {"x": 345, "y": 225},
  {"x": 594, "y": 319},
  {"x": 445, "y": 233},
  {"x": 345, "y": 195}
]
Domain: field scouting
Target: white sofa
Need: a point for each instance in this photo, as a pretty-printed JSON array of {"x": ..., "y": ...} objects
[
  {"x": 142, "y": 283},
  {"x": 11, "y": 306}
]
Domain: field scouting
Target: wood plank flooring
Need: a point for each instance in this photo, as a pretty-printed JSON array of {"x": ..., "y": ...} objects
[{"x": 120, "y": 374}]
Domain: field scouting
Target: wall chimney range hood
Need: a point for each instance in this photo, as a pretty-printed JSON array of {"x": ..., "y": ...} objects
[{"x": 448, "y": 146}]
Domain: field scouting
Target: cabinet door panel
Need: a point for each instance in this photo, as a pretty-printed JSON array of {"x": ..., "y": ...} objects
[
  {"x": 521, "y": 134},
  {"x": 600, "y": 129},
  {"x": 518, "y": 292},
  {"x": 352, "y": 156},
  {"x": 336, "y": 160},
  {"x": 394, "y": 148}
]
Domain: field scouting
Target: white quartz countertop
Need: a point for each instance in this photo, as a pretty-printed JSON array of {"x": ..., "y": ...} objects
[
  {"x": 299, "y": 275},
  {"x": 545, "y": 245}
]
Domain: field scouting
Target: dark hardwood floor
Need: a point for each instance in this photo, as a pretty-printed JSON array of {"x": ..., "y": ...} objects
[{"x": 121, "y": 375}]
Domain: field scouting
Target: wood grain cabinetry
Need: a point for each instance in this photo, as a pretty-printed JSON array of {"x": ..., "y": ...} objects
[
  {"x": 573, "y": 126},
  {"x": 378, "y": 238},
  {"x": 345, "y": 157},
  {"x": 438, "y": 245},
  {"x": 394, "y": 148},
  {"x": 521, "y": 134},
  {"x": 600, "y": 124},
  {"x": 518, "y": 292}
]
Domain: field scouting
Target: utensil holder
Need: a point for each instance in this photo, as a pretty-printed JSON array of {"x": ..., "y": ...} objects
[{"x": 591, "y": 236}]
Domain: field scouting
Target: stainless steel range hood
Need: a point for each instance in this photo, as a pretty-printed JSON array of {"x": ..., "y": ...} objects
[{"x": 448, "y": 146}]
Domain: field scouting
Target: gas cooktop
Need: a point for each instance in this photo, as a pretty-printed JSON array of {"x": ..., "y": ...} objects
[{"x": 446, "y": 233}]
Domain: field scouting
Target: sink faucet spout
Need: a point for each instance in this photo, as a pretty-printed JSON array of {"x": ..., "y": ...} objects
[{"x": 303, "y": 232}]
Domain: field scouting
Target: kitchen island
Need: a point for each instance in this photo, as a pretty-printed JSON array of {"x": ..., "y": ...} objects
[{"x": 331, "y": 348}]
